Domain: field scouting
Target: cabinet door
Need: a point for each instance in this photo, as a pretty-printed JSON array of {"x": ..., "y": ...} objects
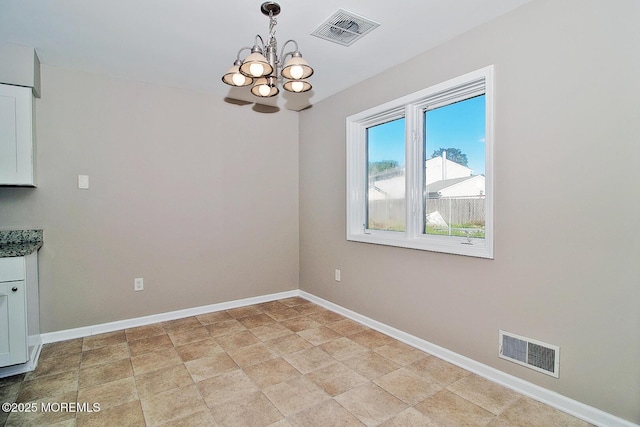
[
  {"x": 13, "y": 323},
  {"x": 16, "y": 136}
]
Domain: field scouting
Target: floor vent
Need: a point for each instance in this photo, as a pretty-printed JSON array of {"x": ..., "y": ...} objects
[
  {"x": 533, "y": 354},
  {"x": 344, "y": 27}
]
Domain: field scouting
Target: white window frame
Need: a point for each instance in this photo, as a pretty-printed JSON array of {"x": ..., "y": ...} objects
[{"x": 412, "y": 107}]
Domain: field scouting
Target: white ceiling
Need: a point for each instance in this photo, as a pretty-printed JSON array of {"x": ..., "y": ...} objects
[{"x": 191, "y": 43}]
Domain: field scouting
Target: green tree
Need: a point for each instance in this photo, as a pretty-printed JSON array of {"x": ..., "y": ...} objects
[
  {"x": 453, "y": 154},
  {"x": 381, "y": 166}
]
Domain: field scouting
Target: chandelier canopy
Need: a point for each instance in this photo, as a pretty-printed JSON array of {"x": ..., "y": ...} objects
[{"x": 261, "y": 66}]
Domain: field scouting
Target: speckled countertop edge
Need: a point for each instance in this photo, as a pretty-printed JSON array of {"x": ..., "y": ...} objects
[{"x": 15, "y": 243}]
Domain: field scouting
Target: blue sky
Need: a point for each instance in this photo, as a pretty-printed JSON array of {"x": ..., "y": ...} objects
[{"x": 460, "y": 125}]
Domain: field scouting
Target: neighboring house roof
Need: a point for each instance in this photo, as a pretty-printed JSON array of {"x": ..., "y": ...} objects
[
  {"x": 444, "y": 183},
  {"x": 465, "y": 187},
  {"x": 441, "y": 168},
  {"x": 394, "y": 188}
]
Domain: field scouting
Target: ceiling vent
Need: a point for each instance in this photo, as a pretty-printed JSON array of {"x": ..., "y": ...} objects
[{"x": 344, "y": 28}]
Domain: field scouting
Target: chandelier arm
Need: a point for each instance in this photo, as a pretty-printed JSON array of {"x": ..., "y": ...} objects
[
  {"x": 259, "y": 37},
  {"x": 283, "y": 56},
  {"x": 240, "y": 51}
]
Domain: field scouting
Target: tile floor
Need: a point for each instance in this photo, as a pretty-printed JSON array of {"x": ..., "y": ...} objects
[{"x": 281, "y": 363}]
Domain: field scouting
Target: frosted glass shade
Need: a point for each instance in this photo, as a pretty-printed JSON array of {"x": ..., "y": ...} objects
[
  {"x": 256, "y": 65},
  {"x": 297, "y": 86},
  {"x": 265, "y": 88},
  {"x": 296, "y": 68},
  {"x": 234, "y": 77}
]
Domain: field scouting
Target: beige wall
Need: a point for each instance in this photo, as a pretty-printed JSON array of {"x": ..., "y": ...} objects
[
  {"x": 566, "y": 267},
  {"x": 197, "y": 196}
]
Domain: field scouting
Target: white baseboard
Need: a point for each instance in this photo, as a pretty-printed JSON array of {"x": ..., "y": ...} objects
[
  {"x": 577, "y": 409},
  {"x": 102, "y": 328}
]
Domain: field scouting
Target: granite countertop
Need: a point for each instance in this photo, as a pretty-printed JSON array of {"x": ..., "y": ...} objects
[{"x": 19, "y": 242}]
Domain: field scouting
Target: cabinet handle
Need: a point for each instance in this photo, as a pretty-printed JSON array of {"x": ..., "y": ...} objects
[{"x": 14, "y": 289}]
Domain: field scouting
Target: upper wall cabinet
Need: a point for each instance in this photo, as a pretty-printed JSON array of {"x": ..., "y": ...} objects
[{"x": 17, "y": 149}]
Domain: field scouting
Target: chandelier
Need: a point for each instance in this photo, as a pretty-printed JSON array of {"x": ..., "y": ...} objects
[{"x": 261, "y": 66}]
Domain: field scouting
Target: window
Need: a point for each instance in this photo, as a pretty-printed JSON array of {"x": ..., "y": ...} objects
[{"x": 420, "y": 169}]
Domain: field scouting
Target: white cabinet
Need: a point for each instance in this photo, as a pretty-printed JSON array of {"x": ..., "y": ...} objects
[
  {"x": 17, "y": 153},
  {"x": 13, "y": 311}
]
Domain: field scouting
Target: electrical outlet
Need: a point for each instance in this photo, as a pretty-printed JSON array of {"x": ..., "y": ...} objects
[
  {"x": 138, "y": 284},
  {"x": 337, "y": 275}
]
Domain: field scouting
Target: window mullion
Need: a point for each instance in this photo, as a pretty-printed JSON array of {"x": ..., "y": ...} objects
[{"x": 413, "y": 135}]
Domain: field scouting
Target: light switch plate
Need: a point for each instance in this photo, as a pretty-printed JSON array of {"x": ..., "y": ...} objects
[{"x": 83, "y": 182}]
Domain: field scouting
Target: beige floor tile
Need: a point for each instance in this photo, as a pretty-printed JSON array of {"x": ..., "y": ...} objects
[
  {"x": 105, "y": 355},
  {"x": 253, "y": 365},
  {"x": 284, "y": 314},
  {"x": 231, "y": 386},
  {"x": 484, "y": 393},
  {"x": 309, "y": 360},
  {"x": 328, "y": 413},
  {"x": 347, "y": 327},
  {"x": 240, "y": 312},
  {"x": 10, "y": 387},
  {"x": 141, "y": 332},
  {"x": 289, "y": 343},
  {"x": 410, "y": 417},
  {"x": 407, "y": 386},
  {"x": 294, "y": 301},
  {"x": 171, "y": 405},
  {"x": 62, "y": 348},
  {"x": 91, "y": 376},
  {"x": 252, "y": 354},
  {"x": 215, "y": 317},
  {"x": 308, "y": 309},
  {"x": 271, "y": 331},
  {"x": 38, "y": 415},
  {"x": 199, "y": 419},
  {"x": 371, "y": 339},
  {"x": 295, "y": 395},
  {"x": 433, "y": 368},
  {"x": 150, "y": 344},
  {"x": 225, "y": 327},
  {"x": 450, "y": 410},
  {"x": 237, "y": 340},
  {"x": 155, "y": 360},
  {"x": 50, "y": 385},
  {"x": 185, "y": 336},
  {"x": 529, "y": 413},
  {"x": 271, "y": 372},
  {"x": 55, "y": 365},
  {"x": 370, "y": 365},
  {"x": 282, "y": 423},
  {"x": 181, "y": 324},
  {"x": 164, "y": 379},
  {"x": 101, "y": 340},
  {"x": 110, "y": 394},
  {"x": 256, "y": 320},
  {"x": 343, "y": 348},
  {"x": 326, "y": 317},
  {"x": 266, "y": 307},
  {"x": 207, "y": 367},
  {"x": 371, "y": 404},
  {"x": 298, "y": 324},
  {"x": 252, "y": 410},
  {"x": 336, "y": 379},
  {"x": 319, "y": 335},
  {"x": 199, "y": 349},
  {"x": 400, "y": 353},
  {"x": 125, "y": 415}
]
